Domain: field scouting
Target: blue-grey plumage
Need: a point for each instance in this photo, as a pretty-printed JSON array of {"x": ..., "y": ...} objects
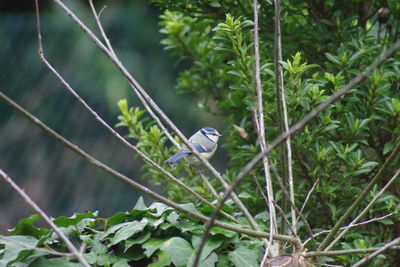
[{"x": 204, "y": 141}]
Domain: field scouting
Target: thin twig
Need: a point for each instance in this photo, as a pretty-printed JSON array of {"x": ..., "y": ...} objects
[
  {"x": 134, "y": 184},
  {"x": 57, "y": 230},
  {"x": 286, "y": 220},
  {"x": 277, "y": 206},
  {"x": 340, "y": 252},
  {"x": 263, "y": 144},
  {"x": 207, "y": 183},
  {"x": 139, "y": 90},
  {"x": 298, "y": 126},
  {"x": 115, "y": 133},
  {"x": 351, "y": 226},
  {"x": 377, "y": 252},
  {"x": 42, "y": 250},
  {"x": 283, "y": 120},
  {"x": 308, "y": 195},
  {"x": 285, "y": 192},
  {"x": 365, "y": 210}
]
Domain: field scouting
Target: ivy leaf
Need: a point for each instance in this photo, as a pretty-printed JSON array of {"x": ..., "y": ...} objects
[
  {"x": 25, "y": 227},
  {"x": 211, "y": 244},
  {"x": 160, "y": 209},
  {"x": 210, "y": 260},
  {"x": 163, "y": 259},
  {"x": 243, "y": 257},
  {"x": 113, "y": 229},
  {"x": 152, "y": 245},
  {"x": 129, "y": 230},
  {"x": 13, "y": 251},
  {"x": 59, "y": 262},
  {"x": 121, "y": 263},
  {"x": 179, "y": 249},
  {"x": 63, "y": 221},
  {"x": 222, "y": 231},
  {"x": 139, "y": 240}
]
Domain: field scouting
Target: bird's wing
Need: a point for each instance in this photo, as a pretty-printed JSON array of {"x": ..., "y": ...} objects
[{"x": 198, "y": 147}]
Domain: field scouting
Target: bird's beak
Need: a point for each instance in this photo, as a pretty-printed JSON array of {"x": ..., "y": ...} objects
[{"x": 219, "y": 134}]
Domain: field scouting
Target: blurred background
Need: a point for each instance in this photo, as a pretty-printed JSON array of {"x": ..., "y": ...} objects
[{"x": 56, "y": 179}]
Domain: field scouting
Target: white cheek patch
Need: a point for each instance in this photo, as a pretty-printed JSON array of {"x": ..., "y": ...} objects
[{"x": 213, "y": 138}]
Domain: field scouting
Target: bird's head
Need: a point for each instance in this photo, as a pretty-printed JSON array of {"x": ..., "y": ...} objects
[{"x": 211, "y": 133}]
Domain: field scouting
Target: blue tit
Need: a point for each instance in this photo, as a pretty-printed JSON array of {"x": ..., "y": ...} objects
[{"x": 204, "y": 141}]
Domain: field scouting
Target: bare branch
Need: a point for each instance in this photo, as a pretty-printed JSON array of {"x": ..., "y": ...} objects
[
  {"x": 208, "y": 184},
  {"x": 115, "y": 133},
  {"x": 285, "y": 192},
  {"x": 373, "y": 200},
  {"x": 308, "y": 195},
  {"x": 283, "y": 121},
  {"x": 57, "y": 230},
  {"x": 351, "y": 226},
  {"x": 134, "y": 184},
  {"x": 377, "y": 252},
  {"x": 286, "y": 220},
  {"x": 140, "y": 91},
  {"x": 344, "y": 252},
  {"x": 263, "y": 144}
]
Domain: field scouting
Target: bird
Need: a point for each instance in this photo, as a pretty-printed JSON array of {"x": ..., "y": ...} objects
[{"x": 204, "y": 141}]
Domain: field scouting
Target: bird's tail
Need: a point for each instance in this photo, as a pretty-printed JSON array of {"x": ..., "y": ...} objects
[{"x": 176, "y": 157}]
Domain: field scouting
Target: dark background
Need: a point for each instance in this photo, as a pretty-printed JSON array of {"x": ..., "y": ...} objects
[{"x": 57, "y": 179}]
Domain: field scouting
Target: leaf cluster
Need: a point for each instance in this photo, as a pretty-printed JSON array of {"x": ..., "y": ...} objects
[{"x": 153, "y": 236}]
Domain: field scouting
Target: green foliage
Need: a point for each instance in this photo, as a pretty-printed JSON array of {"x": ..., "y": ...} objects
[
  {"x": 346, "y": 144},
  {"x": 153, "y": 236}
]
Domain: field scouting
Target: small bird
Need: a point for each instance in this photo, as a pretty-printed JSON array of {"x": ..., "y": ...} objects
[{"x": 204, "y": 141}]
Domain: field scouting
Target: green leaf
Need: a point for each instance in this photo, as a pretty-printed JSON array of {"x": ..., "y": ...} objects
[
  {"x": 332, "y": 58},
  {"x": 152, "y": 245},
  {"x": 388, "y": 147},
  {"x": 106, "y": 259},
  {"x": 117, "y": 218},
  {"x": 210, "y": 260},
  {"x": 331, "y": 127},
  {"x": 369, "y": 165},
  {"x": 212, "y": 244},
  {"x": 386, "y": 221},
  {"x": 160, "y": 209},
  {"x": 140, "y": 205},
  {"x": 214, "y": 3},
  {"x": 139, "y": 240},
  {"x": 179, "y": 249},
  {"x": 173, "y": 218},
  {"x": 113, "y": 229},
  {"x": 162, "y": 259},
  {"x": 59, "y": 262},
  {"x": 245, "y": 195},
  {"x": 121, "y": 263},
  {"x": 129, "y": 230},
  {"x": 25, "y": 227},
  {"x": 243, "y": 257},
  {"x": 63, "y": 221},
  {"x": 190, "y": 206},
  {"x": 222, "y": 231},
  {"x": 14, "y": 250}
]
